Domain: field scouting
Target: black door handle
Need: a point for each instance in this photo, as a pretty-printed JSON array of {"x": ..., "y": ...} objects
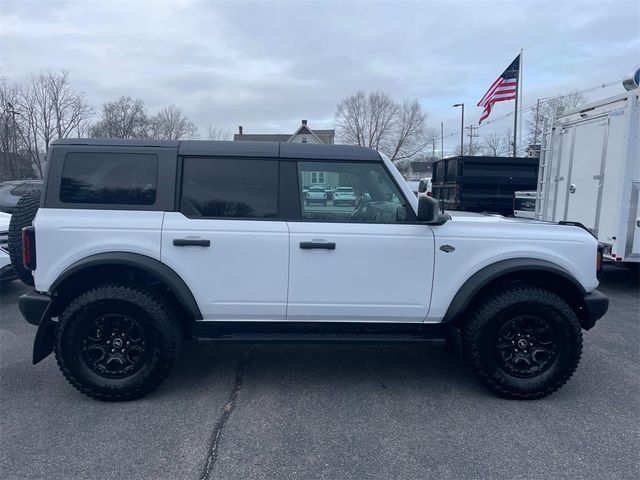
[
  {"x": 322, "y": 245},
  {"x": 191, "y": 242}
]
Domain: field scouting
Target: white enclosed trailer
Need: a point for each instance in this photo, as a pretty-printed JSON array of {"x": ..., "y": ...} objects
[{"x": 590, "y": 173}]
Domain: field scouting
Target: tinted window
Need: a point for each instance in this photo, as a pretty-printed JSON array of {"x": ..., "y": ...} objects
[
  {"x": 230, "y": 187},
  {"x": 362, "y": 192},
  {"x": 109, "y": 178}
]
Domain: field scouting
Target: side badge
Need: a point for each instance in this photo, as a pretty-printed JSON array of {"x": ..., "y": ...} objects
[{"x": 447, "y": 248}]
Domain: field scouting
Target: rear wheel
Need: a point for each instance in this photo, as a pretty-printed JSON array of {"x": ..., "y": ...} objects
[
  {"x": 116, "y": 342},
  {"x": 523, "y": 343},
  {"x": 22, "y": 216}
]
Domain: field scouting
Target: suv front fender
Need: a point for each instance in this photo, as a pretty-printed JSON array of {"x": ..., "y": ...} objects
[{"x": 503, "y": 268}]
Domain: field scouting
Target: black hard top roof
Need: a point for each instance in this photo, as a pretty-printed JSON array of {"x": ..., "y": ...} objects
[{"x": 236, "y": 149}]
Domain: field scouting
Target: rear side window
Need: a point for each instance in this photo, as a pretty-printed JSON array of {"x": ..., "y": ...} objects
[
  {"x": 229, "y": 187},
  {"x": 109, "y": 178}
]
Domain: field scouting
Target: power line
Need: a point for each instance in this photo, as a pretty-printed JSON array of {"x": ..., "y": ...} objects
[{"x": 530, "y": 106}]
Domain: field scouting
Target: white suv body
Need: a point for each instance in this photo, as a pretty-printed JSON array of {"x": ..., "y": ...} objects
[{"x": 256, "y": 255}]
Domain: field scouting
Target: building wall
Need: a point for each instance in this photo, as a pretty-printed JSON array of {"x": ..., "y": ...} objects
[{"x": 304, "y": 138}]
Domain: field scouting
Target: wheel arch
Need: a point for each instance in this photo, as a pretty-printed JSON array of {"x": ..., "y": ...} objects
[
  {"x": 521, "y": 270},
  {"x": 106, "y": 266}
]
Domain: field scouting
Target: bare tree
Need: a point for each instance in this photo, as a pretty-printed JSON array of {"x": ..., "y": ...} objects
[
  {"x": 46, "y": 108},
  {"x": 376, "y": 121},
  {"x": 70, "y": 109},
  {"x": 548, "y": 109},
  {"x": 171, "y": 124},
  {"x": 124, "y": 118},
  {"x": 470, "y": 150},
  {"x": 496, "y": 145},
  {"x": 218, "y": 134},
  {"x": 14, "y": 163}
]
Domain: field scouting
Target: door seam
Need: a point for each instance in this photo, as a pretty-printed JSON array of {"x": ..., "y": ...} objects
[{"x": 286, "y": 306}]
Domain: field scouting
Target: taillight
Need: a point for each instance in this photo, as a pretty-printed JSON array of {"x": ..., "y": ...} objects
[
  {"x": 29, "y": 248},
  {"x": 429, "y": 194}
]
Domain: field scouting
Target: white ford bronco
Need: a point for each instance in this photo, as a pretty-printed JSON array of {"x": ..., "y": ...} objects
[{"x": 138, "y": 244}]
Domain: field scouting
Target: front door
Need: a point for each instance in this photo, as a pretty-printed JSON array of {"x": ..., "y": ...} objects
[
  {"x": 226, "y": 241},
  {"x": 368, "y": 262}
]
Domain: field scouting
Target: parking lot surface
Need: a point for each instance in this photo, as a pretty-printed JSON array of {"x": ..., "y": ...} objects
[{"x": 334, "y": 412}]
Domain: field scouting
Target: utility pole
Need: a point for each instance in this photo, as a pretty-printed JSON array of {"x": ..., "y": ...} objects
[
  {"x": 441, "y": 139},
  {"x": 535, "y": 130},
  {"x": 471, "y": 136}
]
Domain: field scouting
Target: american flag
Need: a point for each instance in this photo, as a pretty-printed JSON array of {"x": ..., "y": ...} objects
[{"x": 504, "y": 88}]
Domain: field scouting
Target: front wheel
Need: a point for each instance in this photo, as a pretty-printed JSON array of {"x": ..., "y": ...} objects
[
  {"x": 116, "y": 342},
  {"x": 523, "y": 343}
]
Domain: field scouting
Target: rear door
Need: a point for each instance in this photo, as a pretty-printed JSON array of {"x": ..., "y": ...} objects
[
  {"x": 371, "y": 262},
  {"x": 227, "y": 241}
]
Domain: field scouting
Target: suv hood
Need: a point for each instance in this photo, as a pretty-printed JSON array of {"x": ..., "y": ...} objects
[{"x": 490, "y": 218}]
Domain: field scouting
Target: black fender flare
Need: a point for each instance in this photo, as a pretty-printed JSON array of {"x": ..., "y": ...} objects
[
  {"x": 486, "y": 275},
  {"x": 142, "y": 262}
]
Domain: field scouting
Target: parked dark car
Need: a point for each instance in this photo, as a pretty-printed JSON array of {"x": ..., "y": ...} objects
[{"x": 10, "y": 192}]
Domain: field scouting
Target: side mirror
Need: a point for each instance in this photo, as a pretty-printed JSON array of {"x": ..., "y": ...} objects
[{"x": 429, "y": 212}]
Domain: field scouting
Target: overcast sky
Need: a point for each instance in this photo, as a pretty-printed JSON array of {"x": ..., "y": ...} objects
[{"x": 267, "y": 65}]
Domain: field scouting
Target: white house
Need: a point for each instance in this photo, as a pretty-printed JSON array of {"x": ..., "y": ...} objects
[{"x": 303, "y": 134}]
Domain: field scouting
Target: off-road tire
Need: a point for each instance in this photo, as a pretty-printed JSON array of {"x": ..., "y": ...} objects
[
  {"x": 22, "y": 216},
  {"x": 160, "y": 325},
  {"x": 480, "y": 337}
]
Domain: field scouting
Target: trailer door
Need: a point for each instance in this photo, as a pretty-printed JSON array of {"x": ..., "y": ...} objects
[
  {"x": 633, "y": 233},
  {"x": 582, "y": 189},
  {"x": 560, "y": 171}
]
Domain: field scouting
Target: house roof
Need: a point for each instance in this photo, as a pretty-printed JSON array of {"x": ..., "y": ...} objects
[
  {"x": 325, "y": 136},
  {"x": 305, "y": 130},
  {"x": 261, "y": 137}
]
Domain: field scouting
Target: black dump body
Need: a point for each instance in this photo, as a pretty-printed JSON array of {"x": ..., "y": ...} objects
[{"x": 483, "y": 184}]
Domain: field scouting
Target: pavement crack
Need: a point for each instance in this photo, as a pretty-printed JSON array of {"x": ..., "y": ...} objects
[{"x": 214, "y": 440}]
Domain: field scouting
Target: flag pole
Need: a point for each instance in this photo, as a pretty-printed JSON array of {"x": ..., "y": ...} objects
[
  {"x": 520, "y": 83},
  {"x": 515, "y": 111}
]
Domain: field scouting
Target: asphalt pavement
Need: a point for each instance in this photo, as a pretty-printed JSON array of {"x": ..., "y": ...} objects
[{"x": 327, "y": 412}]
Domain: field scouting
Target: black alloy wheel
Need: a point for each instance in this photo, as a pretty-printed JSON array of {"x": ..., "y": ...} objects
[
  {"x": 114, "y": 345},
  {"x": 526, "y": 345}
]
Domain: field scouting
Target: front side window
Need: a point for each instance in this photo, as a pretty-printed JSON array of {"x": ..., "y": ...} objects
[
  {"x": 109, "y": 178},
  {"x": 229, "y": 187},
  {"x": 352, "y": 192}
]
